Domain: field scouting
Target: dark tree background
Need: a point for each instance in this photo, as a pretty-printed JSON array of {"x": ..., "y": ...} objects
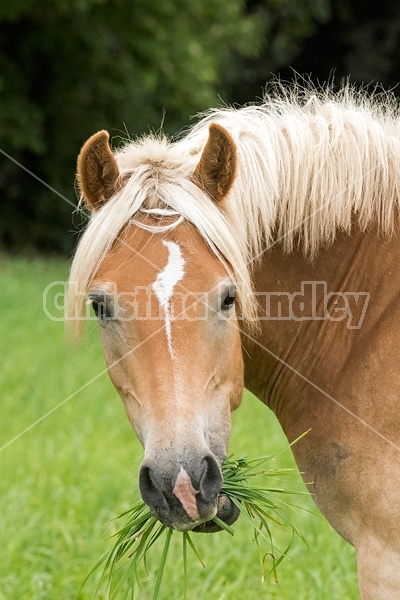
[{"x": 71, "y": 67}]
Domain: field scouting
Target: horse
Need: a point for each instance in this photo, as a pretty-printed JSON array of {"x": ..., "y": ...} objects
[{"x": 259, "y": 249}]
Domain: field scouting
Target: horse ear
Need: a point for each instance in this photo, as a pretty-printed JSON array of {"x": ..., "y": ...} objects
[
  {"x": 217, "y": 167},
  {"x": 97, "y": 170}
]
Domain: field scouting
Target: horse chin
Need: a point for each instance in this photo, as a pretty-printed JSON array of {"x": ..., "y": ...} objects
[{"x": 227, "y": 512}]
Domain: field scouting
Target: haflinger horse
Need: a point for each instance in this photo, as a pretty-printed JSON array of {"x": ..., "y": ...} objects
[{"x": 197, "y": 259}]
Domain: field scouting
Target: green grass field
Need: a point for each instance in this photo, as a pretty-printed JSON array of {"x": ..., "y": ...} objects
[{"x": 64, "y": 479}]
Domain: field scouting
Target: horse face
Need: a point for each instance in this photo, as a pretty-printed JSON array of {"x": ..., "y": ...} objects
[{"x": 166, "y": 309}]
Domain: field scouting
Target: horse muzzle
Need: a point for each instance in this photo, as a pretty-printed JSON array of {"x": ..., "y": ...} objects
[{"x": 184, "y": 494}]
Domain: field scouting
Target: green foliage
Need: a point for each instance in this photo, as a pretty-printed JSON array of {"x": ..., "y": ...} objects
[
  {"x": 286, "y": 26},
  {"x": 68, "y": 69},
  {"x": 71, "y": 67}
]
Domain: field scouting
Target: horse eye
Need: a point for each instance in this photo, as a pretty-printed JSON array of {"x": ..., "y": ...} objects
[
  {"x": 100, "y": 307},
  {"x": 229, "y": 299}
]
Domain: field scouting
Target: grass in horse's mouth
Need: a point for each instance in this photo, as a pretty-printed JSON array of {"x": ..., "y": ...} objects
[{"x": 260, "y": 504}]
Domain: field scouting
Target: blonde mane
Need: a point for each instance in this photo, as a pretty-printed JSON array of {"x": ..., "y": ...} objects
[{"x": 310, "y": 163}]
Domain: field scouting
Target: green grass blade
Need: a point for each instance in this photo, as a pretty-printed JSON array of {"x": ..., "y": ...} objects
[
  {"x": 162, "y": 563},
  {"x": 184, "y": 555},
  {"x": 224, "y": 526},
  {"x": 193, "y": 547}
]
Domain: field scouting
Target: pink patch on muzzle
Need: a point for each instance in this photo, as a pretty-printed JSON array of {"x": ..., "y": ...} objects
[{"x": 186, "y": 494}]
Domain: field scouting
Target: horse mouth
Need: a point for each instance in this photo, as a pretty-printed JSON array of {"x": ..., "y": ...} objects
[{"x": 227, "y": 512}]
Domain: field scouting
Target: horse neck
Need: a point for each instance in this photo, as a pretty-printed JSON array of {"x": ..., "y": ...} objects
[{"x": 292, "y": 359}]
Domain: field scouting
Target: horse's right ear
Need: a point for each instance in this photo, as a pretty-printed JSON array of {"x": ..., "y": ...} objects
[{"x": 97, "y": 171}]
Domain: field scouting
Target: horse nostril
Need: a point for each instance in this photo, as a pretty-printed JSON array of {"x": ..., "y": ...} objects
[
  {"x": 176, "y": 494},
  {"x": 151, "y": 492},
  {"x": 211, "y": 480}
]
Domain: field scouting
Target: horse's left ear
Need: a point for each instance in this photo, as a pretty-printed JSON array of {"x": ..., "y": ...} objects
[
  {"x": 217, "y": 167},
  {"x": 97, "y": 170}
]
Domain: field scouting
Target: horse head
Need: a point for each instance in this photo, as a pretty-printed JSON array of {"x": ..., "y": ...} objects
[{"x": 165, "y": 304}]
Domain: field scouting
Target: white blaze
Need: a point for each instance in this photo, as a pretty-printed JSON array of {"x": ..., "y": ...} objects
[{"x": 163, "y": 287}]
